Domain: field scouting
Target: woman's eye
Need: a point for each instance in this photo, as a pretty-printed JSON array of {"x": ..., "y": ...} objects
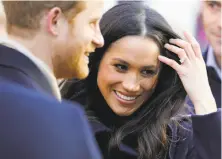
[
  {"x": 121, "y": 67},
  {"x": 214, "y": 5},
  {"x": 148, "y": 72}
]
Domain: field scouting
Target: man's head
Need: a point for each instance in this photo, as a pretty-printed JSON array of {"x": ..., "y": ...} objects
[
  {"x": 2, "y": 21},
  {"x": 68, "y": 30},
  {"x": 2, "y": 25},
  {"x": 211, "y": 16}
]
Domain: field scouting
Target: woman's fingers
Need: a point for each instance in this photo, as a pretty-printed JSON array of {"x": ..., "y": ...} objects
[
  {"x": 169, "y": 62},
  {"x": 184, "y": 45},
  {"x": 191, "y": 46},
  {"x": 180, "y": 52},
  {"x": 195, "y": 45}
]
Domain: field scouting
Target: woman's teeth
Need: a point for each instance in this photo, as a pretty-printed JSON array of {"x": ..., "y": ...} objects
[{"x": 128, "y": 98}]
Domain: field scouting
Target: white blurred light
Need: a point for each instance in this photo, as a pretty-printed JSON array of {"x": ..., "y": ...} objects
[{"x": 181, "y": 14}]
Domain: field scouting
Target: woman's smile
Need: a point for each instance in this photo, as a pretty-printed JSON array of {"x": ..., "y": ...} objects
[
  {"x": 124, "y": 98},
  {"x": 128, "y": 73}
]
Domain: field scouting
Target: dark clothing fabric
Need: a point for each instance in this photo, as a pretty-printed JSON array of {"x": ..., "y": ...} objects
[
  {"x": 17, "y": 68},
  {"x": 197, "y": 137},
  {"x": 200, "y": 140},
  {"x": 34, "y": 125}
]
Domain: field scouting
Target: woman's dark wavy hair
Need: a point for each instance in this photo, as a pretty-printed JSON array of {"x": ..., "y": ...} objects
[{"x": 150, "y": 123}]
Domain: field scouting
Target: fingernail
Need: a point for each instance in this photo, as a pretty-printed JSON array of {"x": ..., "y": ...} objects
[
  {"x": 166, "y": 45},
  {"x": 159, "y": 56},
  {"x": 171, "y": 40},
  {"x": 186, "y": 32}
]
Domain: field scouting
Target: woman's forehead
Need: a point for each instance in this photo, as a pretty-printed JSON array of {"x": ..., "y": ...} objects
[
  {"x": 135, "y": 45},
  {"x": 134, "y": 50}
]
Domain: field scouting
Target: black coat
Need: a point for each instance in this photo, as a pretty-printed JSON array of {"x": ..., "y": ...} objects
[
  {"x": 202, "y": 140},
  {"x": 34, "y": 125}
]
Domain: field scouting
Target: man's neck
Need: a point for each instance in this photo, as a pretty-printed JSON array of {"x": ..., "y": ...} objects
[
  {"x": 36, "y": 50},
  {"x": 218, "y": 60},
  {"x": 37, "y": 47}
]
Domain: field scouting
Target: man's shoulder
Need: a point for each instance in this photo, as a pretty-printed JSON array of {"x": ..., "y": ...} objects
[
  {"x": 14, "y": 90},
  {"x": 11, "y": 94},
  {"x": 60, "y": 128}
]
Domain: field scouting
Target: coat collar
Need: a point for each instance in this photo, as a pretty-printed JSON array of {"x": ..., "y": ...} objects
[
  {"x": 42, "y": 67},
  {"x": 14, "y": 59},
  {"x": 98, "y": 127},
  {"x": 176, "y": 135}
]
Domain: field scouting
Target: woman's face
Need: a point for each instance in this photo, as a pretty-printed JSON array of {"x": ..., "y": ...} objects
[{"x": 128, "y": 73}]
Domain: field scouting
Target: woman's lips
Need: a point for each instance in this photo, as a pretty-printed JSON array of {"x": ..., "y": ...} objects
[{"x": 125, "y": 99}]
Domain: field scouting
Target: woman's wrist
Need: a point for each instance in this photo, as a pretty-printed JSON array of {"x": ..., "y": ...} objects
[{"x": 205, "y": 106}]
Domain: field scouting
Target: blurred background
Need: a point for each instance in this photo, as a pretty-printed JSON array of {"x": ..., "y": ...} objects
[{"x": 183, "y": 15}]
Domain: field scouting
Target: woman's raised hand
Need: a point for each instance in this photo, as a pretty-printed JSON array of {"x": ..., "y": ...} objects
[{"x": 192, "y": 72}]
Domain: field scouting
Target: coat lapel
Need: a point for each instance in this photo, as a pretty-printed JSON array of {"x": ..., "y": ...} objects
[
  {"x": 14, "y": 59},
  {"x": 98, "y": 127}
]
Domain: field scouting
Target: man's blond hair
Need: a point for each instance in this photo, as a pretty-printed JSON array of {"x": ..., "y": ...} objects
[
  {"x": 2, "y": 14},
  {"x": 27, "y": 14}
]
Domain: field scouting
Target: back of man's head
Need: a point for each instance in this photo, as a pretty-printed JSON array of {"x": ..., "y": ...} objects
[{"x": 28, "y": 14}]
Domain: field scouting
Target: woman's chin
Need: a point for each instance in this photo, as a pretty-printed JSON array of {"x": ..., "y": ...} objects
[{"x": 123, "y": 112}]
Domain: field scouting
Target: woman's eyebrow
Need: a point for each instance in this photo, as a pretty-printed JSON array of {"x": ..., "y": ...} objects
[
  {"x": 148, "y": 67},
  {"x": 153, "y": 67},
  {"x": 120, "y": 60}
]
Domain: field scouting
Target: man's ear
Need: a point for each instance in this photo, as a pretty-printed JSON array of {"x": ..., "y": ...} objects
[{"x": 53, "y": 17}]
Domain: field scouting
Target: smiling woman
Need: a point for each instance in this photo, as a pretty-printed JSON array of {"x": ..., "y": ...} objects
[
  {"x": 132, "y": 73},
  {"x": 134, "y": 95}
]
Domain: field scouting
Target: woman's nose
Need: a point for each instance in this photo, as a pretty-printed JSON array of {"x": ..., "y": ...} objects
[{"x": 131, "y": 85}]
